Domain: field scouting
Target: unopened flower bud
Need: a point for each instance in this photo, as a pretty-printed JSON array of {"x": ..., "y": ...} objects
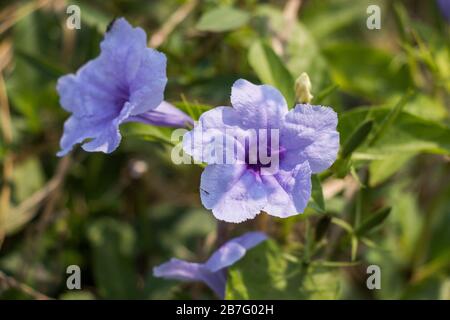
[{"x": 303, "y": 89}]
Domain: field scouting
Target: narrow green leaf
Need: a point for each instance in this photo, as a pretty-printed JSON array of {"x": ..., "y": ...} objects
[
  {"x": 354, "y": 249},
  {"x": 316, "y": 193},
  {"x": 271, "y": 70},
  {"x": 358, "y": 209},
  {"x": 222, "y": 19},
  {"x": 402, "y": 20},
  {"x": 343, "y": 224},
  {"x": 389, "y": 119},
  {"x": 357, "y": 138},
  {"x": 381, "y": 170},
  {"x": 42, "y": 64},
  {"x": 264, "y": 273},
  {"x": 410, "y": 134},
  {"x": 325, "y": 93},
  {"x": 373, "y": 221},
  {"x": 341, "y": 167},
  {"x": 336, "y": 264}
]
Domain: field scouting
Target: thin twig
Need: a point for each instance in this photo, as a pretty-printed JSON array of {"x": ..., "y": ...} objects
[
  {"x": 222, "y": 233},
  {"x": 8, "y": 166},
  {"x": 12, "y": 14},
  {"x": 10, "y": 282},
  {"x": 332, "y": 187},
  {"x": 174, "y": 20},
  {"x": 290, "y": 13},
  {"x": 5, "y": 54},
  {"x": 25, "y": 212}
]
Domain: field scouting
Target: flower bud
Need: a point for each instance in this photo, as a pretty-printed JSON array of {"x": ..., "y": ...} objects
[{"x": 303, "y": 89}]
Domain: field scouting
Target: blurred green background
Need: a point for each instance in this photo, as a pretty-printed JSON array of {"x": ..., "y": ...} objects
[{"x": 118, "y": 215}]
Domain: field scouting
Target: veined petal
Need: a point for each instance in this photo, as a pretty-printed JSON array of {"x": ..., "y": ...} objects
[
  {"x": 123, "y": 47},
  {"x": 250, "y": 239},
  {"x": 302, "y": 187},
  {"x": 177, "y": 269},
  {"x": 142, "y": 69},
  {"x": 215, "y": 137},
  {"x": 309, "y": 133},
  {"x": 104, "y": 133},
  {"x": 147, "y": 86},
  {"x": 225, "y": 256},
  {"x": 234, "y": 193},
  {"x": 258, "y": 106},
  {"x": 164, "y": 115},
  {"x": 76, "y": 130},
  {"x": 288, "y": 192},
  {"x": 92, "y": 91},
  {"x": 217, "y": 281},
  {"x": 234, "y": 250}
]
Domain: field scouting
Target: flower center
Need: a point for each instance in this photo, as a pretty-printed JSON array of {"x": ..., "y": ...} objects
[{"x": 265, "y": 154}]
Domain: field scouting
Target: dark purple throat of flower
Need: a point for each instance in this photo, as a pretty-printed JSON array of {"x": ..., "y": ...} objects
[{"x": 258, "y": 149}]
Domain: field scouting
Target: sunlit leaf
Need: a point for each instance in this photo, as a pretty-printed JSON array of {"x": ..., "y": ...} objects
[
  {"x": 222, "y": 19},
  {"x": 271, "y": 70}
]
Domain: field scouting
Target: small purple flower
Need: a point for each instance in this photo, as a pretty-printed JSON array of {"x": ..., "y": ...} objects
[
  {"x": 444, "y": 6},
  {"x": 214, "y": 272},
  {"x": 307, "y": 142},
  {"x": 124, "y": 83}
]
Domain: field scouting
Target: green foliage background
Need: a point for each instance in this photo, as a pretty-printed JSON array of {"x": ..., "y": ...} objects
[{"x": 386, "y": 201}]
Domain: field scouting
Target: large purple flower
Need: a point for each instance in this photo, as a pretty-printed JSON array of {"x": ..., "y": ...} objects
[
  {"x": 214, "y": 272},
  {"x": 237, "y": 184},
  {"x": 124, "y": 83}
]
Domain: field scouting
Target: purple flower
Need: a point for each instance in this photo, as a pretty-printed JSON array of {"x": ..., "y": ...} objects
[
  {"x": 306, "y": 142},
  {"x": 124, "y": 83},
  {"x": 214, "y": 272},
  {"x": 444, "y": 6}
]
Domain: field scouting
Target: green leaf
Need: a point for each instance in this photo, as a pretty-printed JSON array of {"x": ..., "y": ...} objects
[
  {"x": 409, "y": 134},
  {"x": 338, "y": 14},
  {"x": 271, "y": 70},
  {"x": 341, "y": 167},
  {"x": 381, "y": 170},
  {"x": 354, "y": 248},
  {"x": 366, "y": 71},
  {"x": 222, "y": 19},
  {"x": 407, "y": 221},
  {"x": 28, "y": 177},
  {"x": 147, "y": 133},
  {"x": 389, "y": 119},
  {"x": 373, "y": 221},
  {"x": 43, "y": 65},
  {"x": 426, "y": 107},
  {"x": 357, "y": 138},
  {"x": 193, "y": 109},
  {"x": 265, "y": 273},
  {"x": 113, "y": 244},
  {"x": 316, "y": 193},
  {"x": 325, "y": 93}
]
